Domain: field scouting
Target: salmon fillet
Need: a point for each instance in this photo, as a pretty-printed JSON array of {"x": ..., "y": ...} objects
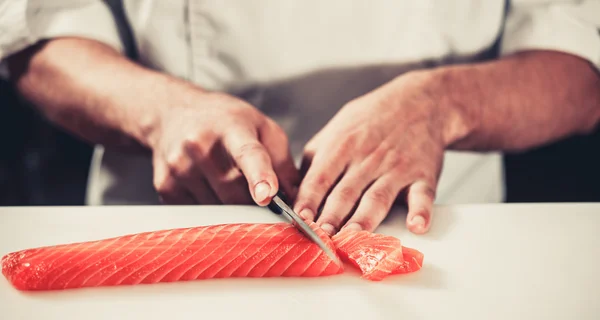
[
  {"x": 217, "y": 251},
  {"x": 376, "y": 255}
]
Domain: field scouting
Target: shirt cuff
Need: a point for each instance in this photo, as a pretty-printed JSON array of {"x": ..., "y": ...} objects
[{"x": 559, "y": 27}]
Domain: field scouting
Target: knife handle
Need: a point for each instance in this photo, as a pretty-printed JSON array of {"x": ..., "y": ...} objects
[{"x": 273, "y": 206}]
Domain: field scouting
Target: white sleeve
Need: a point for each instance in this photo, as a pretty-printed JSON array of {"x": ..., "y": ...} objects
[
  {"x": 568, "y": 26},
  {"x": 25, "y": 22}
]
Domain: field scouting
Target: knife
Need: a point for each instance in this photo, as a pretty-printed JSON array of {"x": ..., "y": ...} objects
[{"x": 279, "y": 205}]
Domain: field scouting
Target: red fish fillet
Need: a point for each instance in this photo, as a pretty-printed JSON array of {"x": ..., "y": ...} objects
[
  {"x": 376, "y": 255},
  {"x": 219, "y": 251},
  {"x": 413, "y": 261}
]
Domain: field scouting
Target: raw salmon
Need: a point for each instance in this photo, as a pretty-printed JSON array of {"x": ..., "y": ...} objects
[
  {"x": 413, "y": 261},
  {"x": 218, "y": 251},
  {"x": 376, "y": 255}
]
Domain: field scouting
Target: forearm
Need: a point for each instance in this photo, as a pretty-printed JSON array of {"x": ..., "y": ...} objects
[
  {"x": 92, "y": 91},
  {"x": 517, "y": 102}
]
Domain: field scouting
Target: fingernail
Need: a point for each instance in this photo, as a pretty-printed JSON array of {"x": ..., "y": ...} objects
[
  {"x": 307, "y": 214},
  {"x": 328, "y": 228},
  {"x": 418, "y": 221},
  {"x": 261, "y": 191},
  {"x": 353, "y": 226}
]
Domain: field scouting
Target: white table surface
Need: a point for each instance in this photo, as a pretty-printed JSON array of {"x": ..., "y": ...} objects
[{"x": 502, "y": 261}]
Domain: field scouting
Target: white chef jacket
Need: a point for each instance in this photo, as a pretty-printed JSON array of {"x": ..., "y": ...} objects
[{"x": 300, "y": 61}]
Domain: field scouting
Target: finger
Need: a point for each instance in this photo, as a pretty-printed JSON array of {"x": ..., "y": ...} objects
[
  {"x": 376, "y": 203},
  {"x": 344, "y": 197},
  {"x": 324, "y": 171},
  {"x": 173, "y": 193},
  {"x": 255, "y": 163},
  {"x": 420, "y": 198},
  {"x": 277, "y": 144},
  {"x": 169, "y": 191},
  {"x": 230, "y": 186},
  {"x": 223, "y": 180},
  {"x": 199, "y": 187},
  {"x": 184, "y": 169}
]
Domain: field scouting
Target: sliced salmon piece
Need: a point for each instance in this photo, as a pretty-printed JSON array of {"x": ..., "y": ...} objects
[
  {"x": 376, "y": 255},
  {"x": 413, "y": 261}
]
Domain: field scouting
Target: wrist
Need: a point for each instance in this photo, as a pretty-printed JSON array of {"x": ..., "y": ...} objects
[
  {"x": 146, "y": 127},
  {"x": 455, "y": 112}
]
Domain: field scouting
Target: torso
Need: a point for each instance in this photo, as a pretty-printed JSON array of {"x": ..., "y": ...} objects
[{"x": 299, "y": 62}]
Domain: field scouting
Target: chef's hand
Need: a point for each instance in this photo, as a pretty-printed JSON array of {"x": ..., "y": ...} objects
[
  {"x": 379, "y": 146},
  {"x": 220, "y": 150}
]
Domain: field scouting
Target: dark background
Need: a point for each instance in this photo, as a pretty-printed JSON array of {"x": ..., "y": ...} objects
[{"x": 41, "y": 165}]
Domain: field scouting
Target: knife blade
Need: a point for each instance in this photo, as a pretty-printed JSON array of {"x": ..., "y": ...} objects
[{"x": 279, "y": 206}]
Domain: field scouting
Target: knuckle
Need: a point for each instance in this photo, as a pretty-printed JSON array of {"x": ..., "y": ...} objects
[
  {"x": 348, "y": 144},
  {"x": 162, "y": 187},
  {"x": 346, "y": 194},
  {"x": 395, "y": 158},
  {"x": 206, "y": 137},
  {"x": 343, "y": 148},
  {"x": 423, "y": 175},
  {"x": 178, "y": 163},
  {"x": 196, "y": 142},
  {"x": 322, "y": 181},
  {"x": 381, "y": 197},
  {"x": 419, "y": 173},
  {"x": 249, "y": 149},
  {"x": 190, "y": 142},
  {"x": 429, "y": 193},
  {"x": 233, "y": 176},
  {"x": 236, "y": 108},
  {"x": 173, "y": 159}
]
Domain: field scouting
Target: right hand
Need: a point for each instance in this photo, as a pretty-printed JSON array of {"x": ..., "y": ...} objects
[{"x": 221, "y": 150}]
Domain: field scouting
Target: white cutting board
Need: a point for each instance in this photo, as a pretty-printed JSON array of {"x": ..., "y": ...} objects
[{"x": 481, "y": 262}]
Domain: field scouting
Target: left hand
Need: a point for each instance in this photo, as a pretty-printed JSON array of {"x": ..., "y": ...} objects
[{"x": 383, "y": 144}]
